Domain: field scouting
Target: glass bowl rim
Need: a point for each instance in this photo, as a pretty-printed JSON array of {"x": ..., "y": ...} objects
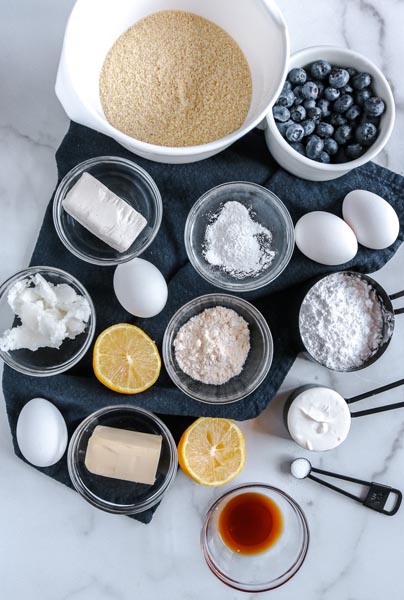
[
  {"x": 111, "y": 507},
  {"x": 261, "y": 280},
  {"x": 251, "y": 588},
  {"x": 60, "y": 194},
  {"x": 215, "y": 299},
  {"x": 29, "y": 271}
]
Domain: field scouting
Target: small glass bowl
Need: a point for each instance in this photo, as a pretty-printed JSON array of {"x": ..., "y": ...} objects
[
  {"x": 258, "y": 361},
  {"x": 257, "y": 572},
  {"x": 114, "y": 495},
  {"x": 46, "y": 361},
  {"x": 266, "y": 209},
  {"x": 131, "y": 183}
]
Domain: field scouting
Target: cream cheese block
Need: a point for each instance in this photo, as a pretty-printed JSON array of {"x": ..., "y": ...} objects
[
  {"x": 123, "y": 454},
  {"x": 103, "y": 213}
]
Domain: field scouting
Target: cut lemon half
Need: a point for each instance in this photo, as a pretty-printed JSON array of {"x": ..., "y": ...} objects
[
  {"x": 125, "y": 359},
  {"x": 212, "y": 451}
]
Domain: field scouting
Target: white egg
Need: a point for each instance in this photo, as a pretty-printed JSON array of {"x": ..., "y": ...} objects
[
  {"x": 140, "y": 288},
  {"x": 374, "y": 221},
  {"x": 325, "y": 238},
  {"x": 41, "y": 433}
]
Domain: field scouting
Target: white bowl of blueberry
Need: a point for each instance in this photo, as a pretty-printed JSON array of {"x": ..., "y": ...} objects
[{"x": 335, "y": 113}]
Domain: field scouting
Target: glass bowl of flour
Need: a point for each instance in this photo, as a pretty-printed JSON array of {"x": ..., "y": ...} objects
[
  {"x": 239, "y": 236},
  {"x": 47, "y": 321},
  {"x": 217, "y": 348}
]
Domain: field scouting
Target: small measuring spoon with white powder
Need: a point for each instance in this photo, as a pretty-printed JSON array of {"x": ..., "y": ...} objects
[
  {"x": 376, "y": 498},
  {"x": 318, "y": 418}
]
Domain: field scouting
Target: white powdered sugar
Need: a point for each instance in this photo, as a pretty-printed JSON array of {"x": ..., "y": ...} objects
[
  {"x": 341, "y": 321},
  {"x": 236, "y": 243},
  {"x": 213, "y": 346}
]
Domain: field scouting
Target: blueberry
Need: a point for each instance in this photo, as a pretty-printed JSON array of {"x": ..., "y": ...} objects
[
  {"x": 324, "y": 130},
  {"x": 314, "y": 147},
  {"x": 321, "y": 88},
  {"x": 282, "y": 127},
  {"x": 338, "y": 78},
  {"x": 343, "y": 103},
  {"x": 368, "y": 119},
  {"x": 298, "y": 114},
  {"x": 294, "y": 133},
  {"x": 309, "y": 126},
  {"x": 286, "y": 99},
  {"x": 353, "y": 151},
  {"x": 287, "y": 86},
  {"x": 361, "y": 96},
  {"x": 337, "y": 120},
  {"x": 281, "y": 113},
  {"x": 361, "y": 81},
  {"x": 298, "y": 146},
  {"x": 353, "y": 113},
  {"x": 310, "y": 90},
  {"x": 299, "y": 98},
  {"x": 347, "y": 89},
  {"x": 331, "y": 94},
  {"x": 297, "y": 76},
  {"x": 309, "y": 104},
  {"x": 324, "y": 106},
  {"x": 320, "y": 69},
  {"x": 330, "y": 146},
  {"x": 324, "y": 157},
  {"x": 314, "y": 113},
  {"x": 366, "y": 133},
  {"x": 343, "y": 134},
  {"x": 374, "y": 106}
]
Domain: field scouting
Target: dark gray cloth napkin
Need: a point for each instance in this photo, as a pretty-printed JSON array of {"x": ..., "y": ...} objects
[{"x": 77, "y": 393}]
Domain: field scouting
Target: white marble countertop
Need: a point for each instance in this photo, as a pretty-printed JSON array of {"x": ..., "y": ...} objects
[{"x": 53, "y": 546}]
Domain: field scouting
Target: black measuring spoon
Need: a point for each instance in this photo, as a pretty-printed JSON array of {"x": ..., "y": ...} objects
[
  {"x": 340, "y": 406},
  {"x": 376, "y": 498}
]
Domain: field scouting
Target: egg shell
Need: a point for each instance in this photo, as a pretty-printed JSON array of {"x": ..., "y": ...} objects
[
  {"x": 374, "y": 221},
  {"x": 140, "y": 288},
  {"x": 41, "y": 433},
  {"x": 325, "y": 238}
]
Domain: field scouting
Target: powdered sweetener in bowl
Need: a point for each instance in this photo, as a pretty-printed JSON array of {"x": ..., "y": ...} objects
[
  {"x": 342, "y": 321},
  {"x": 236, "y": 243},
  {"x": 239, "y": 236}
]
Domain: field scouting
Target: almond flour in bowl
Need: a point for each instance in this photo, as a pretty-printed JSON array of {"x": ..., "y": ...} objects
[{"x": 175, "y": 79}]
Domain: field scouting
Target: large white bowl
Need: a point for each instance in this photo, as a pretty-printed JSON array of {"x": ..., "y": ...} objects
[
  {"x": 94, "y": 25},
  {"x": 303, "y": 167}
]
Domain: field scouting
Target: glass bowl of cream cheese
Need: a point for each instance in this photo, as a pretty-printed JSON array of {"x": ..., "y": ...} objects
[
  {"x": 47, "y": 321},
  {"x": 122, "y": 459},
  {"x": 107, "y": 210},
  {"x": 239, "y": 236}
]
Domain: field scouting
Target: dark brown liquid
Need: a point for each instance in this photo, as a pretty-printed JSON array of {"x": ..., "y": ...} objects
[{"x": 250, "y": 523}]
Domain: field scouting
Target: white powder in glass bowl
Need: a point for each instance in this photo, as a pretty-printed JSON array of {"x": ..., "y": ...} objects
[
  {"x": 341, "y": 321},
  {"x": 213, "y": 346}
]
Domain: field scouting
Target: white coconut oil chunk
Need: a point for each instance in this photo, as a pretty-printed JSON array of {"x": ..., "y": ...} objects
[
  {"x": 319, "y": 419},
  {"x": 48, "y": 313}
]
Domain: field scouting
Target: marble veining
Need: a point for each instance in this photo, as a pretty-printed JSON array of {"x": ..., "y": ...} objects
[{"x": 53, "y": 546}]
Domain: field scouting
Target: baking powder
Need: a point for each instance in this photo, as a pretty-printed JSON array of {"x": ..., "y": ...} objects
[
  {"x": 236, "y": 243},
  {"x": 212, "y": 347},
  {"x": 341, "y": 321}
]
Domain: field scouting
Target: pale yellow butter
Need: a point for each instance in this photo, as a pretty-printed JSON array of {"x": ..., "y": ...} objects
[{"x": 123, "y": 454}]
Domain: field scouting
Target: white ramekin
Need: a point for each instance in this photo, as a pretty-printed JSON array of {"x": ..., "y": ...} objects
[
  {"x": 305, "y": 168},
  {"x": 93, "y": 27}
]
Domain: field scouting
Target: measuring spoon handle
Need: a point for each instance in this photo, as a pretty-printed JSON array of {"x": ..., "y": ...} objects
[
  {"x": 397, "y": 311},
  {"x": 379, "y": 390}
]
